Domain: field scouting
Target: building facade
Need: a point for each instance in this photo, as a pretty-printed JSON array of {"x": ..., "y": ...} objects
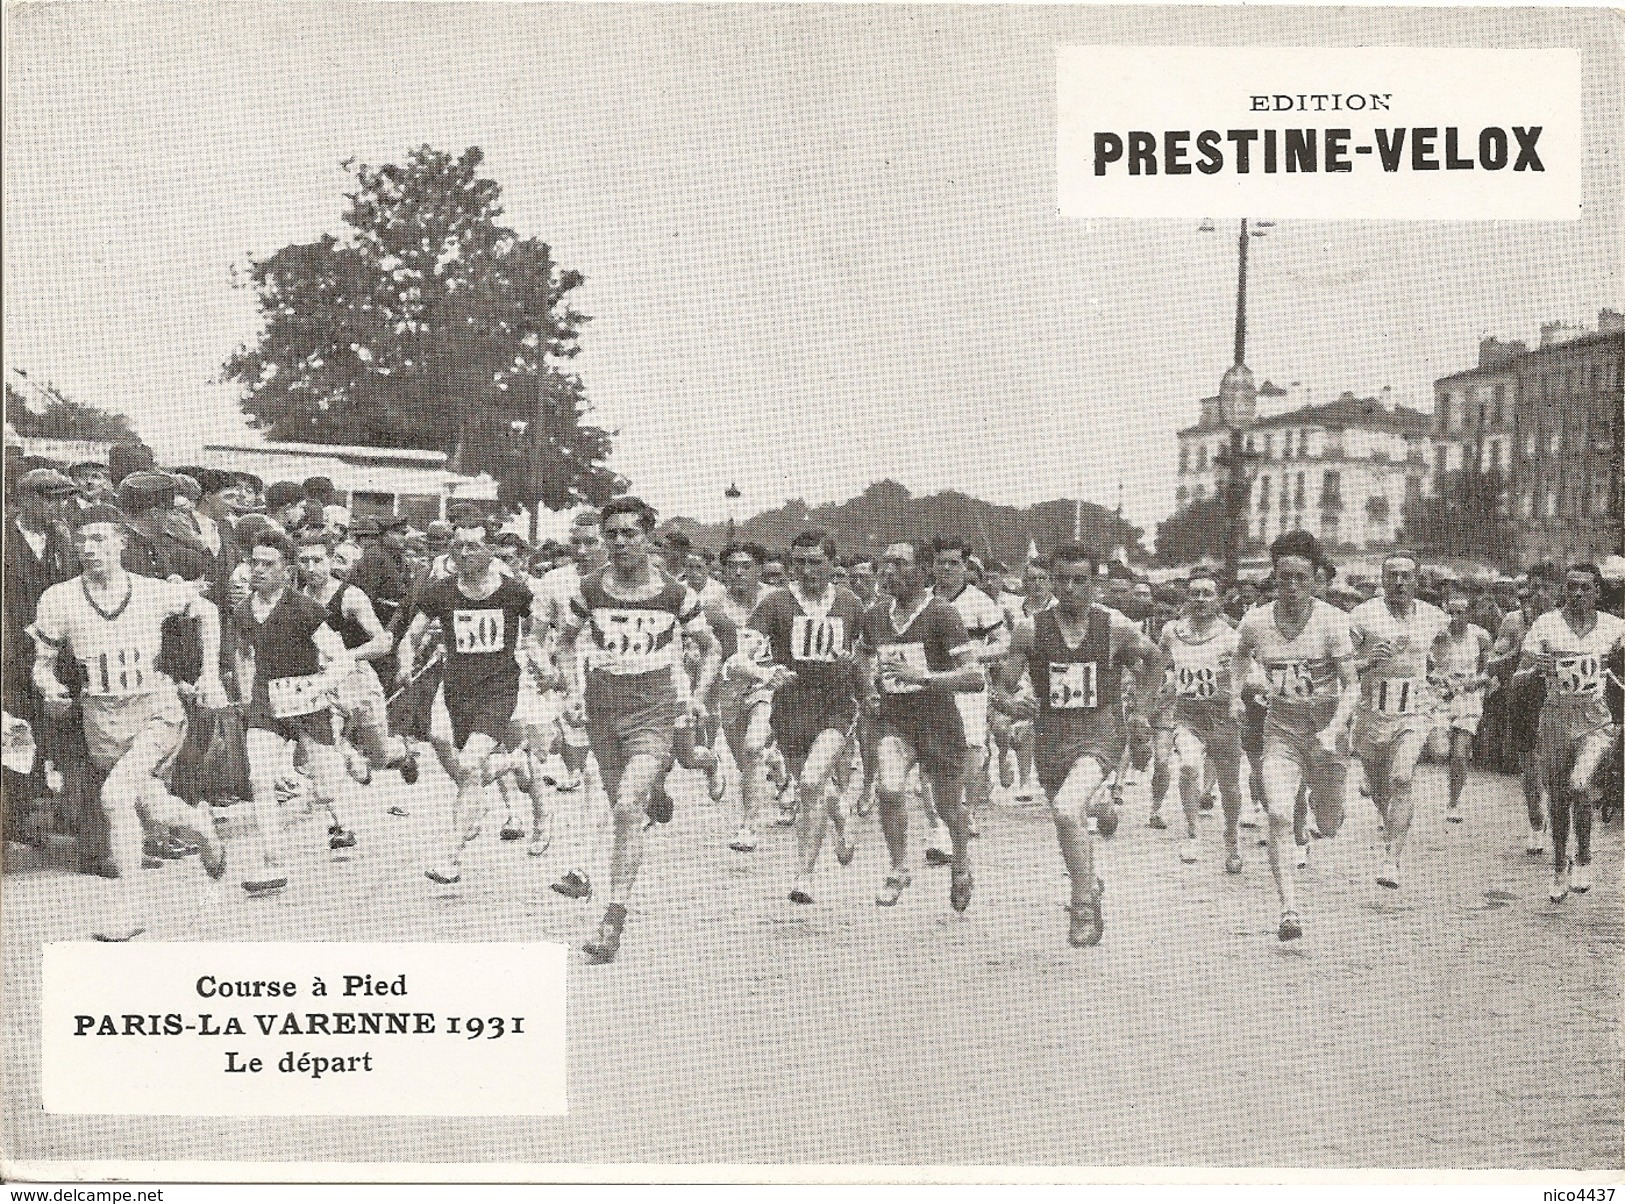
[
  {"x": 1342, "y": 471},
  {"x": 1548, "y": 418}
]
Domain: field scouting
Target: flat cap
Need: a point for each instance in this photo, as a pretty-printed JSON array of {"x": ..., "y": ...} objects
[
  {"x": 283, "y": 493},
  {"x": 45, "y": 481}
]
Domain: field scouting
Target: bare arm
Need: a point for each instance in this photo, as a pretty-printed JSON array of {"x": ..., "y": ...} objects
[
  {"x": 406, "y": 650},
  {"x": 358, "y": 606}
]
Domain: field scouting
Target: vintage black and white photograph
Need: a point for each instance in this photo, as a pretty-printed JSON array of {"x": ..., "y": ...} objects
[{"x": 827, "y": 592}]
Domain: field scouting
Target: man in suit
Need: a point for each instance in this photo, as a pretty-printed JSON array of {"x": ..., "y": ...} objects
[{"x": 38, "y": 555}]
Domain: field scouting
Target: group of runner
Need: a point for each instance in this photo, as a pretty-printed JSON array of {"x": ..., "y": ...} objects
[{"x": 837, "y": 690}]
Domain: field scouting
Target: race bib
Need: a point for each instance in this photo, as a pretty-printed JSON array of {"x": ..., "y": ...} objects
[
  {"x": 817, "y": 639},
  {"x": 1399, "y": 695},
  {"x": 1196, "y": 681},
  {"x": 479, "y": 631},
  {"x": 293, "y": 696},
  {"x": 118, "y": 672},
  {"x": 1579, "y": 676},
  {"x": 629, "y": 634},
  {"x": 1291, "y": 680},
  {"x": 1072, "y": 686},
  {"x": 896, "y": 656}
]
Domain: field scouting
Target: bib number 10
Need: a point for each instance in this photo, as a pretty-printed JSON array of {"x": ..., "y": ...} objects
[{"x": 815, "y": 639}]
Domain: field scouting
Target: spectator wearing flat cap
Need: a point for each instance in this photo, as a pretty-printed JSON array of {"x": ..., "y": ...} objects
[
  {"x": 38, "y": 555},
  {"x": 156, "y": 543},
  {"x": 285, "y": 504},
  {"x": 383, "y": 574},
  {"x": 125, "y": 459}
]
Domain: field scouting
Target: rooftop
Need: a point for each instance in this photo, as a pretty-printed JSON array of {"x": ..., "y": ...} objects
[
  {"x": 1364, "y": 413},
  {"x": 338, "y": 451}
]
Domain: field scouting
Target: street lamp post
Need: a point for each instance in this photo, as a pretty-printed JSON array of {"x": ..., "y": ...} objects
[
  {"x": 1238, "y": 400},
  {"x": 733, "y": 495}
]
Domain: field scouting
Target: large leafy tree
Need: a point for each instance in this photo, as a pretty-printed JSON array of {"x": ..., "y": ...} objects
[
  {"x": 1195, "y": 532},
  {"x": 61, "y": 418},
  {"x": 1467, "y": 517},
  {"x": 428, "y": 324}
]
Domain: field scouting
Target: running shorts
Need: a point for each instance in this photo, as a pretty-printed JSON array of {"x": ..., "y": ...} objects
[
  {"x": 799, "y": 716},
  {"x": 1060, "y": 742},
  {"x": 628, "y": 716},
  {"x": 928, "y": 723},
  {"x": 973, "y": 716},
  {"x": 148, "y": 727}
]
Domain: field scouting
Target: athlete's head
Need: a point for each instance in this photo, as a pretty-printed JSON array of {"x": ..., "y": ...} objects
[
  {"x": 98, "y": 538},
  {"x": 1582, "y": 586},
  {"x": 1295, "y": 557},
  {"x": 471, "y": 551},
  {"x": 1399, "y": 575},
  {"x": 950, "y": 564},
  {"x": 742, "y": 567},
  {"x": 271, "y": 562},
  {"x": 1457, "y": 603},
  {"x": 861, "y": 578},
  {"x": 773, "y": 570},
  {"x": 1202, "y": 596},
  {"x": 1038, "y": 581},
  {"x": 629, "y": 524},
  {"x": 901, "y": 573},
  {"x": 1075, "y": 570},
  {"x": 812, "y": 559},
  {"x": 315, "y": 560},
  {"x": 345, "y": 557},
  {"x": 587, "y": 540},
  {"x": 514, "y": 551}
]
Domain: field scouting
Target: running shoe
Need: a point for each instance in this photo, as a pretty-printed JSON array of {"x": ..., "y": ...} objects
[
  {"x": 512, "y": 830},
  {"x": 798, "y": 895},
  {"x": 344, "y": 838},
  {"x": 408, "y": 767},
  {"x": 399, "y": 811},
  {"x": 1106, "y": 824},
  {"x": 938, "y": 858},
  {"x": 1156, "y": 821},
  {"x": 1190, "y": 850},
  {"x": 357, "y": 766},
  {"x": 892, "y": 890},
  {"x": 1088, "y": 922},
  {"x": 571, "y": 781},
  {"x": 265, "y": 886},
  {"x": 1452, "y": 814},
  {"x": 574, "y": 885},
  {"x": 1579, "y": 877},
  {"x": 1300, "y": 855},
  {"x": 446, "y": 876},
  {"x": 660, "y": 806},
  {"x": 845, "y": 850},
  {"x": 606, "y": 943},
  {"x": 1291, "y": 929},
  {"x": 959, "y": 889},
  {"x": 1388, "y": 875},
  {"x": 1232, "y": 862},
  {"x": 744, "y": 841},
  {"x": 1560, "y": 886},
  {"x": 1535, "y": 846}
]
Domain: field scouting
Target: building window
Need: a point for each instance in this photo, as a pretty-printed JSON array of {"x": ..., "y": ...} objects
[
  {"x": 1551, "y": 503},
  {"x": 1269, "y": 446},
  {"x": 1554, "y": 442},
  {"x": 1286, "y": 445},
  {"x": 1200, "y": 492},
  {"x": 1264, "y": 492},
  {"x": 1201, "y": 457},
  {"x": 1531, "y": 445},
  {"x": 1493, "y": 459},
  {"x": 1297, "y": 493},
  {"x": 1499, "y": 410},
  {"x": 1331, "y": 490},
  {"x": 1303, "y": 444},
  {"x": 1184, "y": 459},
  {"x": 1526, "y": 504},
  {"x": 1249, "y": 443}
]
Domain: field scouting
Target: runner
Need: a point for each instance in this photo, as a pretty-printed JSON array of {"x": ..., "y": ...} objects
[
  {"x": 1015, "y": 731},
  {"x": 1570, "y": 648},
  {"x": 1393, "y": 637},
  {"x": 360, "y": 699},
  {"x": 811, "y": 631},
  {"x": 1199, "y": 727},
  {"x": 110, "y": 623},
  {"x": 1304, "y": 647},
  {"x": 630, "y": 687},
  {"x": 290, "y": 663},
  {"x": 952, "y": 568},
  {"x": 558, "y": 587},
  {"x": 917, "y": 655},
  {"x": 1525, "y": 694},
  {"x": 1462, "y": 674},
  {"x": 744, "y": 699},
  {"x": 1076, "y": 653},
  {"x": 484, "y": 616}
]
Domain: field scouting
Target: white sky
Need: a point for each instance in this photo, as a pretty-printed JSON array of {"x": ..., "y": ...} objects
[{"x": 820, "y": 243}]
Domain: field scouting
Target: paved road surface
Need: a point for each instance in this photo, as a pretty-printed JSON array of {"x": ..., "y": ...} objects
[{"x": 1463, "y": 1022}]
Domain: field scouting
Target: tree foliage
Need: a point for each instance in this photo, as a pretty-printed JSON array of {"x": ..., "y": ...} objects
[
  {"x": 887, "y": 511},
  {"x": 64, "y": 419},
  {"x": 1467, "y": 517},
  {"x": 1195, "y": 532},
  {"x": 428, "y": 324}
]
